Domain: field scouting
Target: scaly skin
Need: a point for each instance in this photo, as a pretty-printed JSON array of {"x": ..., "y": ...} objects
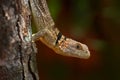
[{"x": 51, "y": 36}]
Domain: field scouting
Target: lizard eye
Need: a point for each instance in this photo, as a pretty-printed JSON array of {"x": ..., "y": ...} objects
[{"x": 78, "y": 47}]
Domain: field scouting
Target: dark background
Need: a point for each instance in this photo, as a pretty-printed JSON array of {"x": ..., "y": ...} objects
[{"x": 93, "y": 22}]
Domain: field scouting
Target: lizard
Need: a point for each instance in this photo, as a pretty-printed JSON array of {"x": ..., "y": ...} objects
[{"x": 51, "y": 36}]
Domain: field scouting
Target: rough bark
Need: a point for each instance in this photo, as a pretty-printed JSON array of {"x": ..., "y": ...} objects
[{"x": 17, "y": 55}]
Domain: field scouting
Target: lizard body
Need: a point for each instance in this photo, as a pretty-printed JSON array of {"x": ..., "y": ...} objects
[{"x": 51, "y": 36}]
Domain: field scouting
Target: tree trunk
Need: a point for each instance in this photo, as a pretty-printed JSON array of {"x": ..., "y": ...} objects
[{"x": 17, "y": 54}]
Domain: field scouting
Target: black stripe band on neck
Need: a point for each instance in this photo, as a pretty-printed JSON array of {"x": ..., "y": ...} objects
[{"x": 58, "y": 37}]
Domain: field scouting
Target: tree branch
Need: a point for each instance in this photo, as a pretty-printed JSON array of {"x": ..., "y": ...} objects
[{"x": 16, "y": 50}]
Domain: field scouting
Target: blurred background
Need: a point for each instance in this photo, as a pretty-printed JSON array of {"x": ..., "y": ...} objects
[{"x": 95, "y": 23}]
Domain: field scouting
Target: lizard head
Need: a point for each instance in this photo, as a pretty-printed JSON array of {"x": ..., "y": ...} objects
[{"x": 74, "y": 49}]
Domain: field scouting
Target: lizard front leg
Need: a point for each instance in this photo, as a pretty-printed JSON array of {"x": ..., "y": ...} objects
[{"x": 37, "y": 35}]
